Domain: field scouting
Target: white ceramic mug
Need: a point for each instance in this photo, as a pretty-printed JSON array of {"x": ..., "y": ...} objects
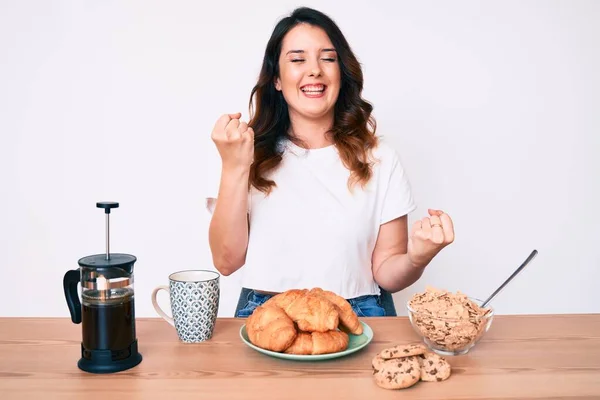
[{"x": 194, "y": 296}]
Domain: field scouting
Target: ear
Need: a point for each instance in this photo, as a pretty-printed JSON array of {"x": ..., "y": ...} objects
[{"x": 277, "y": 84}]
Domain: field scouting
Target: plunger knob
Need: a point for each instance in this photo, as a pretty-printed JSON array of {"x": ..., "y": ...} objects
[{"x": 107, "y": 205}]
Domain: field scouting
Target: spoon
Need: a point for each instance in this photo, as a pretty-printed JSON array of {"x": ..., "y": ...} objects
[{"x": 510, "y": 278}]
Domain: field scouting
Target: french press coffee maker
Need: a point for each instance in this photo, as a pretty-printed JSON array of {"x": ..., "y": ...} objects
[{"x": 106, "y": 310}]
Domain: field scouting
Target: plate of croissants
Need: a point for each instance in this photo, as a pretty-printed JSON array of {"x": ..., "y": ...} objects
[{"x": 303, "y": 324}]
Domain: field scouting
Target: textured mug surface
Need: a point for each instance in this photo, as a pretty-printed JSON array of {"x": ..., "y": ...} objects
[{"x": 194, "y": 299}]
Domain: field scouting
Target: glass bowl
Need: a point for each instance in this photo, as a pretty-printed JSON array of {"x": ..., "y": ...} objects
[{"x": 449, "y": 335}]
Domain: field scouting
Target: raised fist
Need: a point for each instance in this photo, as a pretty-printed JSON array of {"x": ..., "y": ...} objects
[{"x": 234, "y": 141}]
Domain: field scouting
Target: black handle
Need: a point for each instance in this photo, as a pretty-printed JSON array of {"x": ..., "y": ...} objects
[
  {"x": 70, "y": 282},
  {"x": 107, "y": 205}
]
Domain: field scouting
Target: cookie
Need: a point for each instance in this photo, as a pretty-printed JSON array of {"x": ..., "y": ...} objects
[
  {"x": 398, "y": 373},
  {"x": 377, "y": 363},
  {"x": 433, "y": 367},
  {"x": 403, "y": 350}
]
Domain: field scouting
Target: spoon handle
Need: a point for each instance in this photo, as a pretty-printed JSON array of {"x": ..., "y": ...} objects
[{"x": 510, "y": 278}]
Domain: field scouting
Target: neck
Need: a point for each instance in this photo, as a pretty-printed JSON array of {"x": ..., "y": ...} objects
[{"x": 312, "y": 132}]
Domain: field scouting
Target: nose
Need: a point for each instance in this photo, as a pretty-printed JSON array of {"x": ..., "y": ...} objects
[
  {"x": 314, "y": 69},
  {"x": 315, "y": 72}
]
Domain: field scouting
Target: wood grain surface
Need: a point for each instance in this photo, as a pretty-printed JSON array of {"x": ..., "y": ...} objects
[{"x": 521, "y": 357}]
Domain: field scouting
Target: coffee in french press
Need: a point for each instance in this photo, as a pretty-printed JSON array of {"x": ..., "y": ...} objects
[{"x": 107, "y": 308}]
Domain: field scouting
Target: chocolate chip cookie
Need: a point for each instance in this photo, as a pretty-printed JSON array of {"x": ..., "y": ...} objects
[
  {"x": 398, "y": 373},
  {"x": 377, "y": 363},
  {"x": 433, "y": 367},
  {"x": 403, "y": 350}
]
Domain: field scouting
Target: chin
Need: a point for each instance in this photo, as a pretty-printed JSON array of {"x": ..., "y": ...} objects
[{"x": 316, "y": 113}]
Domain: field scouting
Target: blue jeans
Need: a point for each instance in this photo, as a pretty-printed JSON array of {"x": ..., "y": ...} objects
[{"x": 363, "y": 306}]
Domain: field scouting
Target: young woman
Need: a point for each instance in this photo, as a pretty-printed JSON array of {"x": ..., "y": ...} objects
[{"x": 309, "y": 196}]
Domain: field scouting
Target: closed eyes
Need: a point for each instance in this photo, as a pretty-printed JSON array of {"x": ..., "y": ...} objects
[
  {"x": 300, "y": 52},
  {"x": 295, "y": 60}
]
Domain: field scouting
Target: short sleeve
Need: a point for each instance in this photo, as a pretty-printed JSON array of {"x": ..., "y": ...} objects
[
  {"x": 212, "y": 175},
  {"x": 212, "y": 192},
  {"x": 398, "y": 199},
  {"x": 211, "y": 197},
  {"x": 211, "y": 202}
]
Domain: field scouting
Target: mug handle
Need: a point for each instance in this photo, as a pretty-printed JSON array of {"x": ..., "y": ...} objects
[{"x": 157, "y": 307}]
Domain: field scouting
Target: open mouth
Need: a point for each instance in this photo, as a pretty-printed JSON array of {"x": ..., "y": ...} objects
[{"x": 313, "y": 90}]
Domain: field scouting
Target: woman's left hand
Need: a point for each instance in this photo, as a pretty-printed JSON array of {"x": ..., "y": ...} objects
[{"x": 429, "y": 236}]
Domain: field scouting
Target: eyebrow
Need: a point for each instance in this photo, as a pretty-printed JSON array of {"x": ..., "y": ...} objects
[{"x": 302, "y": 51}]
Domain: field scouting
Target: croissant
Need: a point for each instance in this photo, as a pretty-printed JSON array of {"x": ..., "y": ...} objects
[
  {"x": 302, "y": 321},
  {"x": 270, "y": 328},
  {"x": 318, "y": 343},
  {"x": 348, "y": 318},
  {"x": 313, "y": 313},
  {"x": 303, "y": 344},
  {"x": 283, "y": 300}
]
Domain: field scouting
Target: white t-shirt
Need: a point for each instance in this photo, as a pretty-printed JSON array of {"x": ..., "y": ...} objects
[{"x": 311, "y": 231}]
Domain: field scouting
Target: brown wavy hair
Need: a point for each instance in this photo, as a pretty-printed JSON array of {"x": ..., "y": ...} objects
[{"x": 353, "y": 130}]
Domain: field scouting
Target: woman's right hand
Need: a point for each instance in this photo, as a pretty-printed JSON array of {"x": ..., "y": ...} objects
[{"x": 234, "y": 141}]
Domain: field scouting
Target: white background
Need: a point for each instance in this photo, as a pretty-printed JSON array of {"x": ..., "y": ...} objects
[{"x": 494, "y": 107}]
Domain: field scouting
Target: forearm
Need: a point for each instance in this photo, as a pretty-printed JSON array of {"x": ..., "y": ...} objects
[
  {"x": 398, "y": 272},
  {"x": 228, "y": 231}
]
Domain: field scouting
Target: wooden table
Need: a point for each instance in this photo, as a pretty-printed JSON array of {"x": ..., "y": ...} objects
[{"x": 521, "y": 357}]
